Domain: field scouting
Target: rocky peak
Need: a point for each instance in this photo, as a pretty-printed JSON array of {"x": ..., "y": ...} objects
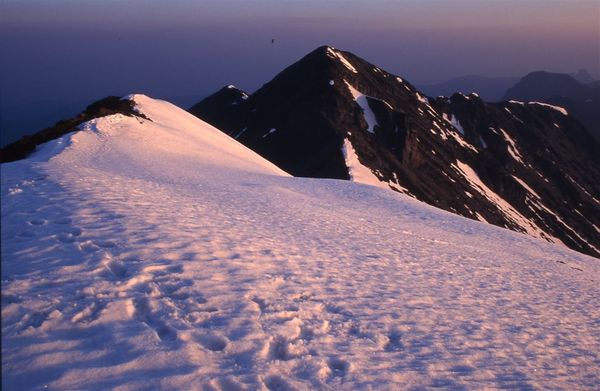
[{"x": 523, "y": 166}]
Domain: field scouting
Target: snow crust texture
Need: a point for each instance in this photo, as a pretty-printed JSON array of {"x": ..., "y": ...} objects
[{"x": 163, "y": 254}]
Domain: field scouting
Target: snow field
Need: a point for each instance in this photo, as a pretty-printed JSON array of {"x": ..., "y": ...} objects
[{"x": 165, "y": 255}]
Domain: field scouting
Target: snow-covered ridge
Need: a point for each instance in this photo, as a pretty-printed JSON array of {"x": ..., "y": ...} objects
[
  {"x": 178, "y": 134},
  {"x": 561, "y": 110},
  {"x": 162, "y": 254}
]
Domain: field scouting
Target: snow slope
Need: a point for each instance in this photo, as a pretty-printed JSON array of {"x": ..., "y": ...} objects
[{"x": 141, "y": 255}]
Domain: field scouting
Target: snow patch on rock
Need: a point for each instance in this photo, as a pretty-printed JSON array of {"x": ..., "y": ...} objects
[
  {"x": 503, "y": 206},
  {"x": 272, "y": 130},
  {"x": 511, "y": 146},
  {"x": 361, "y": 100},
  {"x": 333, "y": 53},
  {"x": 454, "y": 122},
  {"x": 561, "y": 110},
  {"x": 357, "y": 171}
]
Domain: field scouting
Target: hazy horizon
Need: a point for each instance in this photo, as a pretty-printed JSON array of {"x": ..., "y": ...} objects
[{"x": 79, "y": 51}]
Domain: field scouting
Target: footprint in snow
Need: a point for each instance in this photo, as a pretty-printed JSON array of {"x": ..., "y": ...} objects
[
  {"x": 33, "y": 319},
  {"x": 115, "y": 267},
  {"x": 66, "y": 237},
  {"x": 164, "y": 332},
  {"x": 88, "y": 246},
  {"x": 394, "y": 342},
  {"x": 227, "y": 383},
  {"x": 162, "y": 269},
  {"x": 89, "y": 313},
  {"x": 105, "y": 243},
  {"x": 462, "y": 370},
  {"x": 277, "y": 383},
  {"x": 144, "y": 314},
  {"x": 173, "y": 269},
  {"x": 261, "y": 303},
  {"x": 38, "y": 222},
  {"x": 174, "y": 290},
  {"x": 75, "y": 231},
  {"x": 212, "y": 342},
  {"x": 62, "y": 221},
  {"x": 338, "y": 366},
  {"x": 26, "y": 234},
  {"x": 278, "y": 349}
]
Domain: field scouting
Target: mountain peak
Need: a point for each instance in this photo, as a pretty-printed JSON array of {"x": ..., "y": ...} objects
[
  {"x": 545, "y": 75},
  {"x": 333, "y": 114},
  {"x": 545, "y": 84},
  {"x": 583, "y": 76},
  {"x": 323, "y": 50},
  {"x": 326, "y": 58}
]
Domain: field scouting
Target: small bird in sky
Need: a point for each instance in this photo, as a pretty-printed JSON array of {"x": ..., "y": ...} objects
[{"x": 273, "y": 40}]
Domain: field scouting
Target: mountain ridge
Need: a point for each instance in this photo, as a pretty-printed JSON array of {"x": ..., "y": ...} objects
[
  {"x": 516, "y": 165},
  {"x": 306, "y": 117},
  {"x": 26, "y": 145},
  {"x": 160, "y": 253}
]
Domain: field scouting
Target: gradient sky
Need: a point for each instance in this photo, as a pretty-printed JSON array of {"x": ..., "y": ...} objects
[{"x": 78, "y": 51}]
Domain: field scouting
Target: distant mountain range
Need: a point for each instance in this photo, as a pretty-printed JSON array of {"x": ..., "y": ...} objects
[
  {"x": 491, "y": 89},
  {"x": 578, "y": 92},
  {"x": 582, "y": 100},
  {"x": 584, "y": 77},
  {"x": 529, "y": 167},
  {"x": 494, "y": 89}
]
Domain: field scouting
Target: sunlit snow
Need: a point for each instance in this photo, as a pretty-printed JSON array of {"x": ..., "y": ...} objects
[
  {"x": 503, "y": 206},
  {"x": 162, "y": 254},
  {"x": 422, "y": 99},
  {"x": 333, "y": 53},
  {"x": 454, "y": 122},
  {"x": 511, "y": 147},
  {"x": 526, "y": 186},
  {"x": 358, "y": 172},
  {"x": 272, "y": 130},
  {"x": 361, "y": 100},
  {"x": 553, "y": 107}
]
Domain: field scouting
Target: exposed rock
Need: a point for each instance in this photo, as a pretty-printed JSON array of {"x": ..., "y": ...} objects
[{"x": 526, "y": 167}]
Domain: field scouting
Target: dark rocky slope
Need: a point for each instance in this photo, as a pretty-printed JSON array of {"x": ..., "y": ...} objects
[{"x": 526, "y": 167}]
